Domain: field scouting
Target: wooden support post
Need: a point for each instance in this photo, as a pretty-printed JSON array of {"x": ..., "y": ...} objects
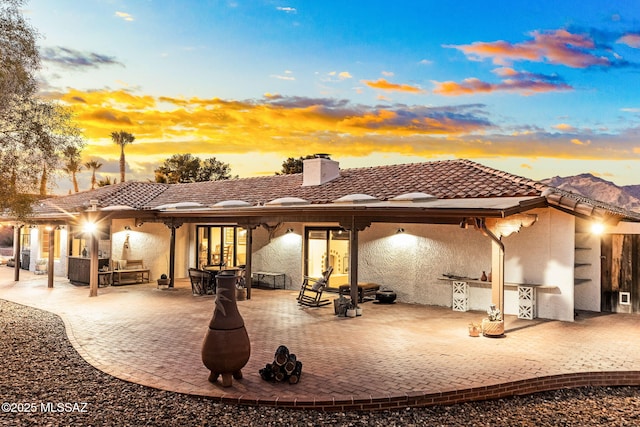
[
  {"x": 173, "y": 224},
  {"x": 247, "y": 271},
  {"x": 93, "y": 265},
  {"x": 52, "y": 235},
  {"x": 353, "y": 262},
  {"x": 172, "y": 256},
  {"x": 354, "y": 226},
  {"x": 16, "y": 251}
]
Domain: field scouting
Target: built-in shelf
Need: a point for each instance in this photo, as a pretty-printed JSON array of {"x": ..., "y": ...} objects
[
  {"x": 580, "y": 281},
  {"x": 582, "y": 264},
  {"x": 582, "y": 249}
]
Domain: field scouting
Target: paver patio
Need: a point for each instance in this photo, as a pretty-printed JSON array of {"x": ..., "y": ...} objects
[{"x": 394, "y": 355}]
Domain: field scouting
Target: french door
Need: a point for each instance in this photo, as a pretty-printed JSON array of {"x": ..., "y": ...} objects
[{"x": 325, "y": 247}]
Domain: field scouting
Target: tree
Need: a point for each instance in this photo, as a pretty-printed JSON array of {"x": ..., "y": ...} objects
[
  {"x": 93, "y": 166},
  {"x": 72, "y": 165},
  {"x": 212, "y": 169},
  {"x": 33, "y": 131},
  {"x": 293, "y": 165},
  {"x": 106, "y": 181},
  {"x": 181, "y": 168},
  {"x": 122, "y": 138}
]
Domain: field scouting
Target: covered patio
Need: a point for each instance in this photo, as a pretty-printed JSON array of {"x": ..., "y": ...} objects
[{"x": 393, "y": 356}]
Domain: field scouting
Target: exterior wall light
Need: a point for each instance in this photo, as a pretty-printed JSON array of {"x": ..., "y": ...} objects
[
  {"x": 400, "y": 230},
  {"x": 597, "y": 228},
  {"x": 289, "y": 230},
  {"x": 89, "y": 227},
  {"x": 127, "y": 227}
]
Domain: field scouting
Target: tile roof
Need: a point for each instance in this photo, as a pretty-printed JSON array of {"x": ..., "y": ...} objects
[
  {"x": 446, "y": 179},
  {"x": 134, "y": 194}
]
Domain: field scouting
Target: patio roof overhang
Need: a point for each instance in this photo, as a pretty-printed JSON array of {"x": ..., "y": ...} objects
[
  {"x": 436, "y": 211},
  {"x": 433, "y": 211}
]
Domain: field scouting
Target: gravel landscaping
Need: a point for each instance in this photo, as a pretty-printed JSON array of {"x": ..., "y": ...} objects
[{"x": 44, "y": 382}]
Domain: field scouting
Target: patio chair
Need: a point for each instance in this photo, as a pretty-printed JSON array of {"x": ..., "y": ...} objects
[
  {"x": 202, "y": 282},
  {"x": 311, "y": 290}
]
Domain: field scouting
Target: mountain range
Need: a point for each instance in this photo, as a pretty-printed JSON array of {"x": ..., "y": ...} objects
[{"x": 588, "y": 185}]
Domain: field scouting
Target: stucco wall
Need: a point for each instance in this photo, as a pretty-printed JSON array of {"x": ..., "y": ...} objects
[
  {"x": 411, "y": 263},
  {"x": 544, "y": 254},
  {"x": 149, "y": 242},
  {"x": 282, "y": 254}
]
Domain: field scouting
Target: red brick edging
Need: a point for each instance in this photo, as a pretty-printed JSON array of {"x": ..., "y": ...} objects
[{"x": 417, "y": 399}]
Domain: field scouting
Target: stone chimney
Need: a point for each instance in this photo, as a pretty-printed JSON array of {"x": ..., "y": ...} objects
[{"x": 319, "y": 170}]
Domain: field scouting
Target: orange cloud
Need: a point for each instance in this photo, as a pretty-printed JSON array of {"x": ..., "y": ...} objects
[
  {"x": 577, "y": 141},
  {"x": 386, "y": 85},
  {"x": 564, "y": 127},
  {"x": 554, "y": 47},
  {"x": 295, "y": 126},
  {"x": 473, "y": 86},
  {"x": 631, "y": 39}
]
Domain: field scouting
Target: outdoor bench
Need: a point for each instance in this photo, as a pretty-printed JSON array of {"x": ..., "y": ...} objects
[{"x": 365, "y": 289}]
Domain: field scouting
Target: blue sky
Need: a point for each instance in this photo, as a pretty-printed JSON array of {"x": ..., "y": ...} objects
[{"x": 533, "y": 88}]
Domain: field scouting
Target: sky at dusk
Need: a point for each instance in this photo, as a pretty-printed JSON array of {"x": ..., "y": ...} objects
[{"x": 536, "y": 88}]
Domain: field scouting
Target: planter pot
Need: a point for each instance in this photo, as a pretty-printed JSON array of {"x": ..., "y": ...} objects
[
  {"x": 241, "y": 294},
  {"x": 474, "y": 330},
  {"x": 163, "y": 283},
  {"x": 386, "y": 297},
  {"x": 351, "y": 312},
  {"x": 358, "y": 311},
  {"x": 492, "y": 328}
]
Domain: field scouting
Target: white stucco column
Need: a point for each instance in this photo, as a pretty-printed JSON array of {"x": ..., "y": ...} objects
[{"x": 497, "y": 275}]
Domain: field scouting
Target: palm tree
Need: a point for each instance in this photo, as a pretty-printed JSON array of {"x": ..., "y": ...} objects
[
  {"x": 72, "y": 165},
  {"x": 122, "y": 138},
  {"x": 93, "y": 165}
]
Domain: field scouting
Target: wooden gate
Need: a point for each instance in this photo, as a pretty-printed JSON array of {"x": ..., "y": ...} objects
[{"x": 620, "y": 259}]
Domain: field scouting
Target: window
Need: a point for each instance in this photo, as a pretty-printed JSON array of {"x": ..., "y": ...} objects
[
  {"x": 221, "y": 245},
  {"x": 44, "y": 244},
  {"x": 25, "y": 238}
]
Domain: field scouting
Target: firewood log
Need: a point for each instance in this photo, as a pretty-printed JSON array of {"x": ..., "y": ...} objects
[
  {"x": 291, "y": 364},
  {"x": 295, "y": 375},
  {"x": 281, "y": 356},
  {"x": 266, "y": 373}
]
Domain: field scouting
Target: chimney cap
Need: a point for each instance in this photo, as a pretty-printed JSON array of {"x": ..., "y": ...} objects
[{"x": 322, "y": 156}]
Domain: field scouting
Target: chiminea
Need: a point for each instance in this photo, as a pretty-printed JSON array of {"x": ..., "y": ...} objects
[{"x": 226, "y": 347}]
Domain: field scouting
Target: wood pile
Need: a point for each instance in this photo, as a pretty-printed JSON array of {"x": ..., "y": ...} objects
[{"x": 285, "y": 367}]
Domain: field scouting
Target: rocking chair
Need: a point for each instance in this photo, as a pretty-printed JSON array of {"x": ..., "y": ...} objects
[{"x": 311, "y": 290}]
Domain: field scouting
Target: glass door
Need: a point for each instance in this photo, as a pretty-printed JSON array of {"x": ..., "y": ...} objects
[
  {"x": 220, "y": 245},
  {"x": 324, "y": 247}
]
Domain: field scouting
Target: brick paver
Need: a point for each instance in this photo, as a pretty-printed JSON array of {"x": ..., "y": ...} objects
[{"x": 394, "y": 355}]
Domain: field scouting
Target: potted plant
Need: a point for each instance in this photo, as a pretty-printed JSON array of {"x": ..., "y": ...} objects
[
  {"x": 351, "y": 310},
  {"x": 493, "y": 325},
  {"x": 163, "y": 281},
  {"x": 41, "y": 266}
]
